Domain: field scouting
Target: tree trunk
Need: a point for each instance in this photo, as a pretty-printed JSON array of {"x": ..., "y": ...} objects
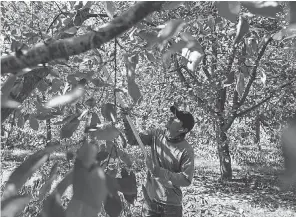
[
  {"x": 224, "y": 156},
  {"x": 222, "y": 141}
]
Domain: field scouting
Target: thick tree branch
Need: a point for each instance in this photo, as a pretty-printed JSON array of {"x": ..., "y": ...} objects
[
  {"x": 254, "y": 106},
  {"x": 263, "y": 101},
  {"x": 13, "y": 64},
  {"x": 43, "y": 53},
  {"x": 254, "y": 72},
  {"x": 222, "y": 92}
]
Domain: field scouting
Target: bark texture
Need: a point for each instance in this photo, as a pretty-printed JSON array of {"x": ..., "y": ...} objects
[{"x": 62, "y": 49}]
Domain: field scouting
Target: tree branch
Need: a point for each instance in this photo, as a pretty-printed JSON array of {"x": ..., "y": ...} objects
[
  {"x": 205, "y": 105},
  {"x": 64, "y": 48},
  {"x": 56, "y": 17},
  {"x": 192, "y": 76},
  {"x": 254, "y": 72},
  {"x": 31, "y": 81},
  {"x": 262, "y": 101}
]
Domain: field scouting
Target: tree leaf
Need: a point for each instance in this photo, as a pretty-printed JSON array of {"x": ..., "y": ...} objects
[
  {"x": 67, "y": 98},
  {"x": 87, "y": 154},
  {"x": 171, "y": 28},
  {"x": 72, "y": 30},
  {"x": 112, "y": 172},
  {"x": 230, "y": 79},
  {"x": 131, "y": 64},
  {"x": 228, "y": 10},
  {"x": 108, "y": 112},
  {"x": 56, "y": 85},
  {"x": 33, "y": 123},
  {"x": 252, "y": 46},
  {"x": 111, "y": 182},
  {"x": 127, "y": 182},
  {"x": 111, "y": 149},
  {"x": 150, "y": 37},
  {"x": 124, "y": 143},
  {"x": 91, "y": 102},
  {"x": 9, "y": 103},
  {"x": 194, "y": 59},
  {"x": 106, "y": 132},
  {"x": 21, "y": 121},
  {"x": 89, "y": 191},
  {"x": 52, "y": 206},
  {"x": 263, "y": 78},
  {"x": 102, "y": 155},
  {"x": 42, "y": 86},
  {"x": 130, "y": 198},
  {"x": 112, "y": 205},
  {"x": 134, "y": 91},
  {"x": 45, "y": 116},
  {"x": 241, "y": 29},
  {"x": 88, "y": 4},
  {"x": 109, "y": 8},
  {"x": 177, "y": 46},
  {"x": 245, "y": 71},
  {"x": 240, "y": 85},
  {"x": 263, "y": 8},
  {"x": 46, "y": 186},
  {"x": 69, "y": 128},
  {"x": 20, "y": 175},
  {"x": 172, "y": 5},
  {"x": 292, "y": 6},
  {"x": 124, "y": 157},
  {"x": 7, "y": 86},
  {"x": 63, "y": 185},
  {"x": 99, "y": 82},
  {"x": 193, "y": 51},
  {"x": 67, "y": 119},
  {"x": 150, "y": 57},
  {"x": 94, "y": 119},
  {"x": 12, "y": 206}
]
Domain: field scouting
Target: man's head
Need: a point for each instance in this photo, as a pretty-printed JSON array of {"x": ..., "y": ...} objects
[{"x": 180, "y": 123}]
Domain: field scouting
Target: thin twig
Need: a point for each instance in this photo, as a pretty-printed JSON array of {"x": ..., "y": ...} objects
[{"x": 115, "y": 71}]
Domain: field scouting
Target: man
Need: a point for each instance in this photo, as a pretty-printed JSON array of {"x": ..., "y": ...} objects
[{"x": 170, "y": 166}]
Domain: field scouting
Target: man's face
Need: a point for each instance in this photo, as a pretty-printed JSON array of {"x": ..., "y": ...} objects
[{"x": 174, "y": 125}]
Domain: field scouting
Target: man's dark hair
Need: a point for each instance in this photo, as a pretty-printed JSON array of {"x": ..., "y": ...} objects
[{"x": 186, "y": 118}]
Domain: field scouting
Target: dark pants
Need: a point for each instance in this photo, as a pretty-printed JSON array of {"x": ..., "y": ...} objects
[{"x": 155, "y": 209}]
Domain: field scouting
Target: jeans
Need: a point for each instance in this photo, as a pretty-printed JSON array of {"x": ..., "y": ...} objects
[{"x": 155, "y": 209}]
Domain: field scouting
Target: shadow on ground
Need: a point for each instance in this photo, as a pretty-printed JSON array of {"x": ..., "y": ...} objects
[{"x": 257, "y": 189}]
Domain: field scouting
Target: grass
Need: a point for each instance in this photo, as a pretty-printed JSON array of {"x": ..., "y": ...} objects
[{"x": 253, "y": 192}]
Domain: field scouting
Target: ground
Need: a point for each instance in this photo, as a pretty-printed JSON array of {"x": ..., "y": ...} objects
[{"x": 253, "y": 192}]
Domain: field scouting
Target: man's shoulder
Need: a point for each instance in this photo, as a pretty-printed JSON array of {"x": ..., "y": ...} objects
[{"x": 187, "y": 146}]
